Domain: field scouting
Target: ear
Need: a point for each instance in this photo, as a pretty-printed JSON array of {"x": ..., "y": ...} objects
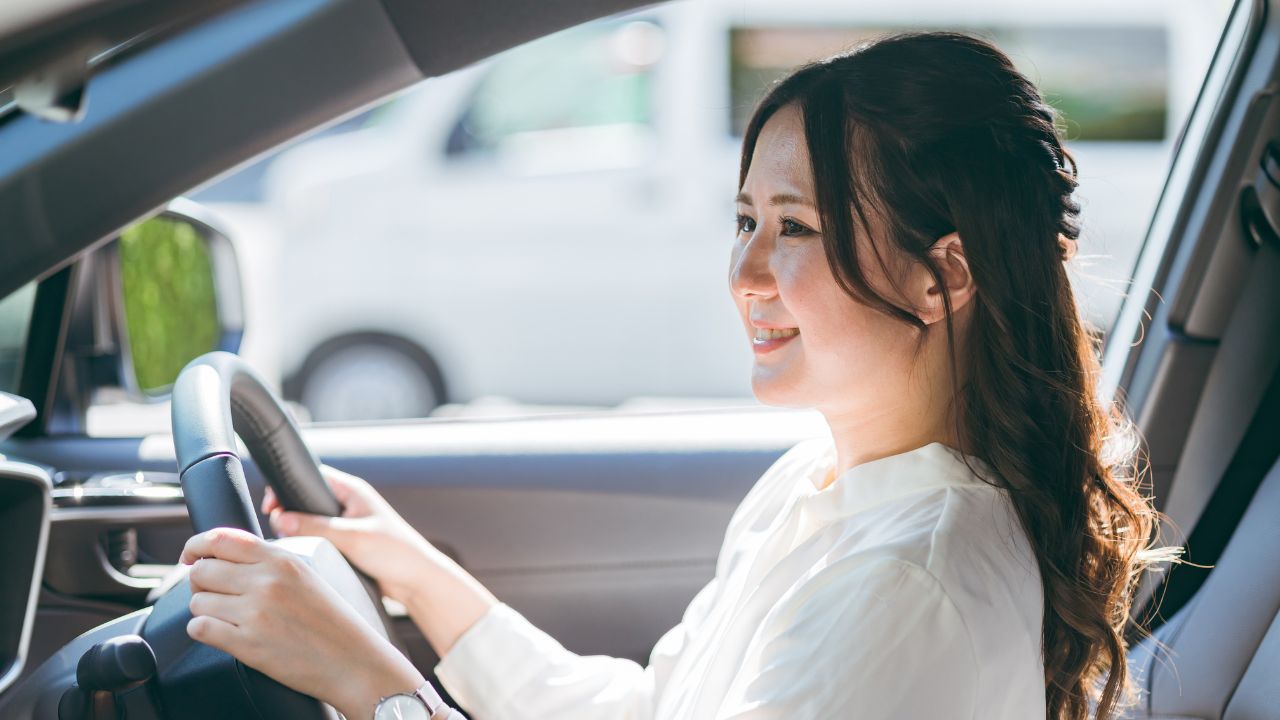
[{"x": 948, "y": 253}]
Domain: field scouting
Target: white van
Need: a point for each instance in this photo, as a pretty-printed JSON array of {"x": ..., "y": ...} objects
[{"x": 615, "y": 145}]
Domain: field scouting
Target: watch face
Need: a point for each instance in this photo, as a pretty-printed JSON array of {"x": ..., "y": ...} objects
[{"x": 402, "y": 707}]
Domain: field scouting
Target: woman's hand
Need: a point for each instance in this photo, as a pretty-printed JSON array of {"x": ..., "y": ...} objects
[
  {"x": 271, "y": 610},
  {"x": 443, "y": 599},
  {"x": 370, "y": 533}
]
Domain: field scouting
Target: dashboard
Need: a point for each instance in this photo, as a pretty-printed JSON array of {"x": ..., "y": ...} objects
[{"x": 61, "y": 535}]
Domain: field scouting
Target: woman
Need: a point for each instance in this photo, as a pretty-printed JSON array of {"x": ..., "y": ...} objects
[{"x": 964, "y": 545}]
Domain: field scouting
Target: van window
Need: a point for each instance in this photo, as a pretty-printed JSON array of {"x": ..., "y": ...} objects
[
  {"x": 592, "y": 84},
  {"x": 1109, "y": 83}
]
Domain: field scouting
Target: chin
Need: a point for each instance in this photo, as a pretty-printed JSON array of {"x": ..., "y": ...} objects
[{"x": 777, "y": 392}]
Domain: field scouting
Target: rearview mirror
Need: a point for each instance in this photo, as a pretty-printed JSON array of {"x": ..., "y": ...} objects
[{"x": 175, "y": 285}]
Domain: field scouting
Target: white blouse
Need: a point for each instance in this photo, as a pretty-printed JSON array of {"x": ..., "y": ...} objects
[{"x": 904, "y": 589}]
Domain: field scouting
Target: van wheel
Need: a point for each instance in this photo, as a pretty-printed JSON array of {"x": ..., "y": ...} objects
[{"x": 369, "y": 379}]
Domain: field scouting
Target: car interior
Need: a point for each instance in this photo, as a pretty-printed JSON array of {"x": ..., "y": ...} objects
[{"x": 598, "y": 527}]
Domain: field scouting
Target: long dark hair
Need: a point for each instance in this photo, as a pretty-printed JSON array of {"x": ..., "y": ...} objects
[{"x": 934, "y": 132}]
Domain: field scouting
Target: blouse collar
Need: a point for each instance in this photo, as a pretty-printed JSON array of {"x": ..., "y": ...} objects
[{"x": 871, "y": 483}]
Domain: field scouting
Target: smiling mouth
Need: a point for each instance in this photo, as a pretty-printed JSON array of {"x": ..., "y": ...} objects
[
  {"x": 766, "y": 334},
  {"x": 766, "y": 340}
]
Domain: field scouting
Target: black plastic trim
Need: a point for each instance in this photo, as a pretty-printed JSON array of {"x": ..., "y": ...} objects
[
  {"x": 444, "y": 36},
  {"x": 46, "y": 340}
]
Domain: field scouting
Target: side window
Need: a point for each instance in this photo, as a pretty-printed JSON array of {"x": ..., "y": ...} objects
[
  {"x": 15, "y": 322},
  {"x": 591, "y": 85},
  {"x": 566, "y": 255}
]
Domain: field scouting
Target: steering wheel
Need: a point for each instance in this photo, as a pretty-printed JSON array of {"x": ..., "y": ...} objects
[{"x": 216, "y": 396}]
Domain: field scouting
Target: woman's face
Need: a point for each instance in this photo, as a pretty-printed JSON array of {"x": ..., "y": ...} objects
[{"x": 836, "y": 354}]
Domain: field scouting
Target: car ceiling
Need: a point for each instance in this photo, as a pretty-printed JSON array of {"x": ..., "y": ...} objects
[{"x": 188, "y": 108}]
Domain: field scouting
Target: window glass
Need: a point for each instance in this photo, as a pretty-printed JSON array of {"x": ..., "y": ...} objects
[
  {"x": 549, "y": 230},
  {"x": 578, "y": 84},
  {"x": 15, "y": 323}
]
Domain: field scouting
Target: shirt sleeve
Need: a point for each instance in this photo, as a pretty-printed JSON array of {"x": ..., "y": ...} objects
[
  {"x": 505, "y": 668},
  {"x": 875, "y": 641}
]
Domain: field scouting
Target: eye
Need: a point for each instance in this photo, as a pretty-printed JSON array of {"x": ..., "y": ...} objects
[
  {"x": 792, "y": 228},
  {"x": 746, "y": 224}
]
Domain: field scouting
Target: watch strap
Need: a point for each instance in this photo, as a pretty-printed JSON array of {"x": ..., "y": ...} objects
[
  {"x": 436, "y": 705},
  {"x": 430, "y": 698},
  {"x": 447, "y": 713}
]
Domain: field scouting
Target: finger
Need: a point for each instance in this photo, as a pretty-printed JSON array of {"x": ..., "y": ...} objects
[
  {"x": 280, "y": 528},
  {"x": 220, "y": 576},
  {"x": 216, "y": 605},
  {"x": 345, "y": 486},
  {"x": 269, "y": 501},
  {"x": 213, "y": 632},
  {"x": 226, "y": 543},
  {"x": 288, "y": 523}
]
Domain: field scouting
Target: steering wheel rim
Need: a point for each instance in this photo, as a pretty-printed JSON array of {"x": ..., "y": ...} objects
[{"x": 215, "y": 396}]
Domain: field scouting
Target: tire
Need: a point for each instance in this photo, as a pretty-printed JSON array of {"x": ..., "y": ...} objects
[{"x": 369, "y": 378}]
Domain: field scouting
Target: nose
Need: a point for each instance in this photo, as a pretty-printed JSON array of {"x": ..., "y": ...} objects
[{"x": 749, "y": 272}]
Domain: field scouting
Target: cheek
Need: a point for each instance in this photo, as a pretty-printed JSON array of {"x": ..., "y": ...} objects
[
  {"x": 824, "y": 312},
  {"x": 841, "y": 335}
]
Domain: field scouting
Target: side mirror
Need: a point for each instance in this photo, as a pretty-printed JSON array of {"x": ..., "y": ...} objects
[{"x": 175, "y": 288}]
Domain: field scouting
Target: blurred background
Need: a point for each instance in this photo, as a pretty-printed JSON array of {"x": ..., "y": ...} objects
[{"x": 549, "y": 231}]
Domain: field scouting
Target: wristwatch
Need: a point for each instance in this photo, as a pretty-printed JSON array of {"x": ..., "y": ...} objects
[{"x": 422, "y": 704}]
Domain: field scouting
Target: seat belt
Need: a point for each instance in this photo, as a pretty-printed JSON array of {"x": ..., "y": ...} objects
[{"x": 1249, "y": 353}]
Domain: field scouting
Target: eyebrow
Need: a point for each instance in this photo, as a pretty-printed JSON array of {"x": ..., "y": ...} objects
[{"x": 781, "y": 199}]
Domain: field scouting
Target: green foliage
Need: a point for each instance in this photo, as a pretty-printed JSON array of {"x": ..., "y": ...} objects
[
  {"x": 1095, "y": 117},
  {"x": 169, "y": 303}
]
